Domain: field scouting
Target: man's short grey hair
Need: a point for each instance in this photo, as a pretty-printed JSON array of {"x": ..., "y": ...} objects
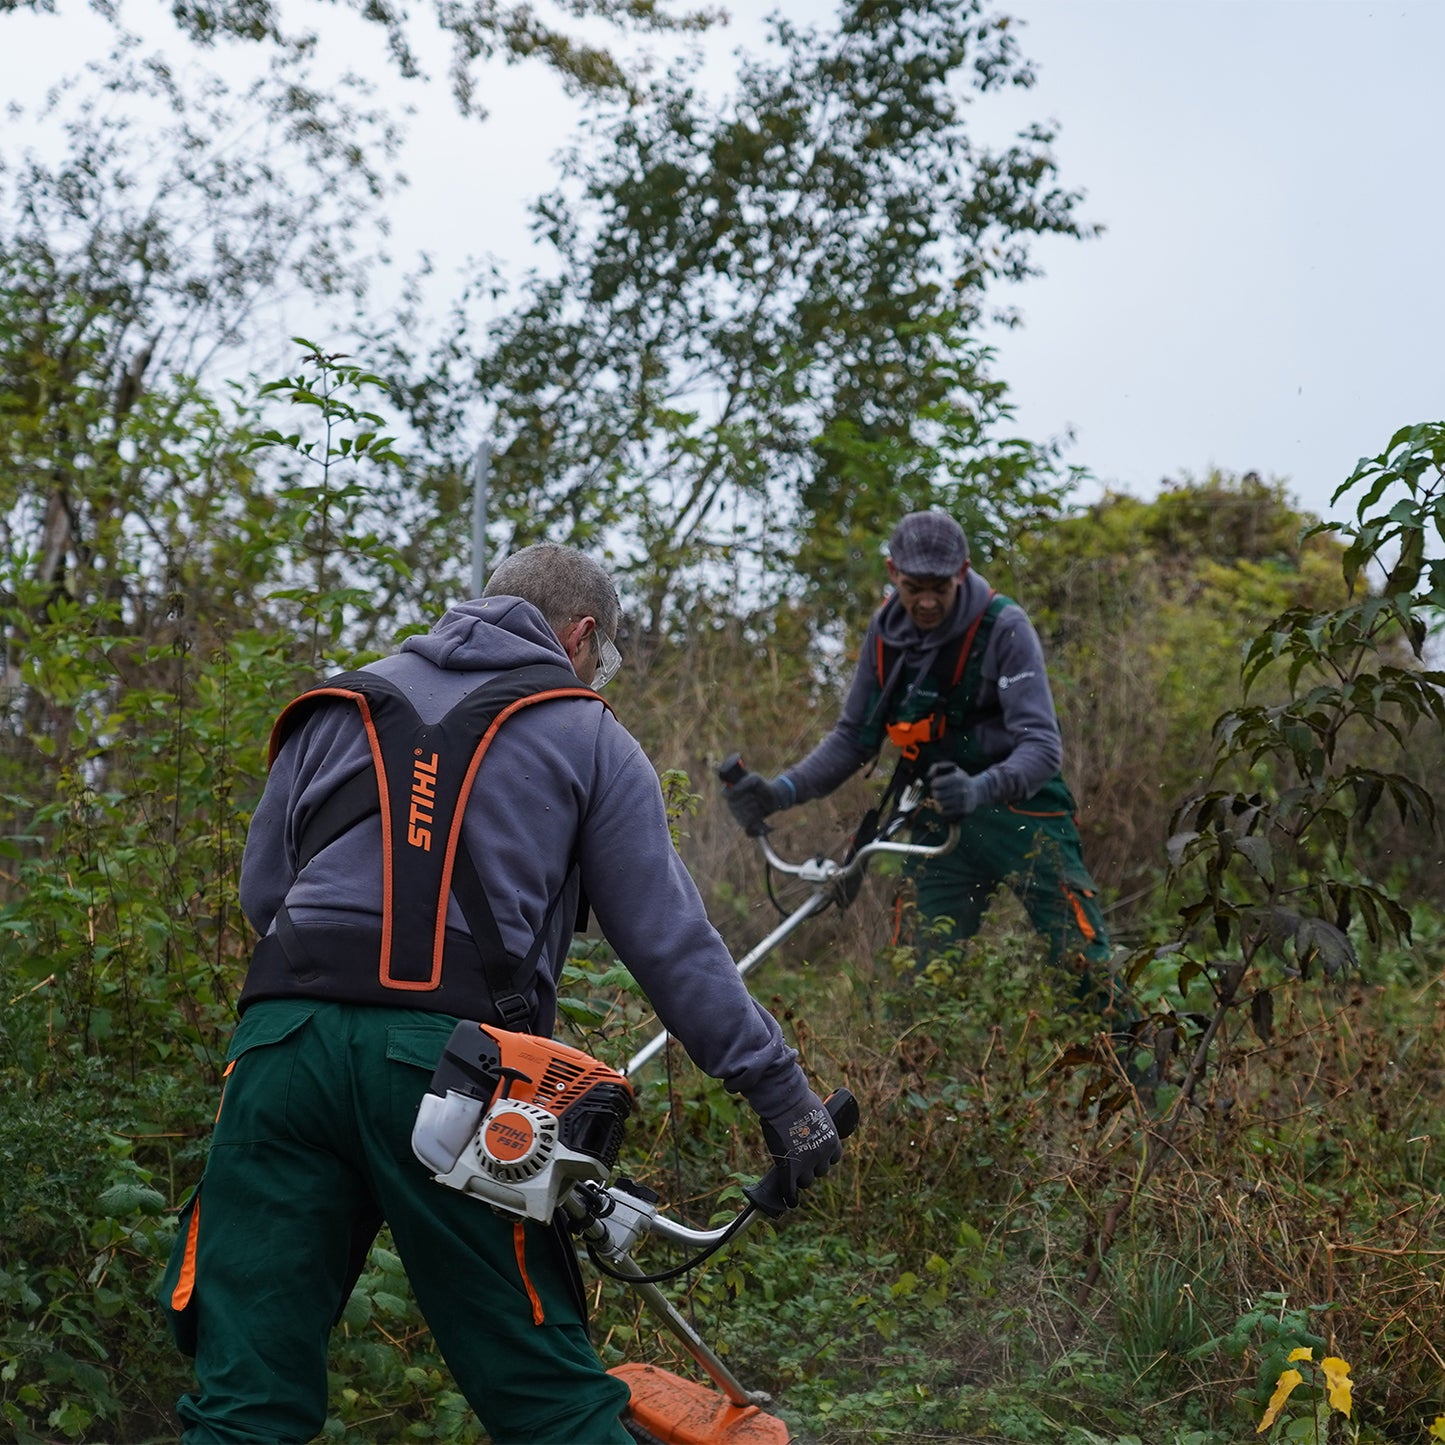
[{"x": 562, "y": 583}]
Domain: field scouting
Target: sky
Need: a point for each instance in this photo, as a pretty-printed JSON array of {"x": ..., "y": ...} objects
[{"x": 1266, "y": 292}]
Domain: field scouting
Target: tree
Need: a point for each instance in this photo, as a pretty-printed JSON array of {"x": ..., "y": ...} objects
[
  {"x": 129, "y": 269},
  {"x": 143, "y": 599},
  {"x": 759, "y": 344},
  {"x": 1274, "y": 852},
  {"x": 479, "y": 31}
]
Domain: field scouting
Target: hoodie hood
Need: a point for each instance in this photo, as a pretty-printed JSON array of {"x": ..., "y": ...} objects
[
  {"x": 489, "y": 634},
  {"x": 918, "y": 648}
]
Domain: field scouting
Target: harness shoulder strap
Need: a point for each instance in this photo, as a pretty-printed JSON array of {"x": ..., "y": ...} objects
[
  {"x": 962, "y": 693},
  {"x": 947, "y": 666},
  {"x": 911, "y": 735}
]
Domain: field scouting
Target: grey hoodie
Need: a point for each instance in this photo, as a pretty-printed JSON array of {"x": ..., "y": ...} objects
[
  {"x": 562, "y": 781},
  {"x": 1021, "y": 740}
]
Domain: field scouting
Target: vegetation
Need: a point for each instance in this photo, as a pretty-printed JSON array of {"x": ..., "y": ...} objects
[{"x": 1233, "y": 1232}]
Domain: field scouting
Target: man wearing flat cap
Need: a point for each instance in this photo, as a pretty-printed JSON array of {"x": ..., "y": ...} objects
[{"x": 952, "y": 673}]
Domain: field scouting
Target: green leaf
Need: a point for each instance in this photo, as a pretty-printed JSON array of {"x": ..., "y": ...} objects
[
  {"x": 130, "y": 1197},
  {"x": 1261, "y": 1015},
  {"x": 1260, "y": 855},
  {"x": 1317, "y": 939}
]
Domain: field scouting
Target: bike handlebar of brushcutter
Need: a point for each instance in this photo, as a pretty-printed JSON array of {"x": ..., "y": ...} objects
[
  {"x": 732, "y": 770},
  {"x": 822, "y": 872},
  {"x": 613, "y": 1219},
  {"x": 827, "y": 878}
]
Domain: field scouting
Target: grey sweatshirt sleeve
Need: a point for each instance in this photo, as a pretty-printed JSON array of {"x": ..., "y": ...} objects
[
  {"x": 840, "y": 754},
  {"x": 266, "y": 872},
  {"x": 649, "y": 908},
  {"x": 316, "y": 758},
  {"x": 1026, "y": 741}
]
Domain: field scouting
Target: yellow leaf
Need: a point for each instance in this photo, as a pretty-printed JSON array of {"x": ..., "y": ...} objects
[
  {"x": 1282, "y": 1392},
  {"x": 1437, "y": 1430},
  {"x": 1337, "y": 1379},
  {"x": 1304, "y": 1352}
]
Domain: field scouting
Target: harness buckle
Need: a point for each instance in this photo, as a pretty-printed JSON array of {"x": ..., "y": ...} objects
[
  {"x": 513, "y": 1011},
  {"x": 909, "y": 737}
]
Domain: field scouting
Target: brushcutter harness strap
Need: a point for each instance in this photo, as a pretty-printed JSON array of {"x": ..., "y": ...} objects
[
  {"x": 419, "y": 781},
  {"x": 928, "y": 719}
]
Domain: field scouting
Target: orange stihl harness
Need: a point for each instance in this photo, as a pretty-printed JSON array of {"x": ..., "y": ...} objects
[
  {"x": 910, "y": 737},
  {"x": 419, "y": 782}
]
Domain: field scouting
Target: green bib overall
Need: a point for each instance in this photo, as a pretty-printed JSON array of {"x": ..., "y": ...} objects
[{"x": 1032, "y": 846}]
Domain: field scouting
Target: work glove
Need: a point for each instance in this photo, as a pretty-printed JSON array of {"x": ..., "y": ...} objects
[
  {"x": 804, "y": 1144},
  {"x": 753, "y": 797},
  {"x": 956, "y": 792}
]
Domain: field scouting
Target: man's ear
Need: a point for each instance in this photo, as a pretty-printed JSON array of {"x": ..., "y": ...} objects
[
  {"x": 576, "y": 634},
  {"x": 893, "y": 573}
]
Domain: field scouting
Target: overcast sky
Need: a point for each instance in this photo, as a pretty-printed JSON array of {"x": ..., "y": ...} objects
[{"x": 1267, "y": 292}]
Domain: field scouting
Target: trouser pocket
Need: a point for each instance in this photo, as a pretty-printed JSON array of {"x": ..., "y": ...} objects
[{"x": 178, "y": 1283}]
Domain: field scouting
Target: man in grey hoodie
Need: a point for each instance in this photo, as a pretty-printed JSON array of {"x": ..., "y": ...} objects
[
  {"x": 953, "y": 674},
  {"x": 365, "y": 965}
]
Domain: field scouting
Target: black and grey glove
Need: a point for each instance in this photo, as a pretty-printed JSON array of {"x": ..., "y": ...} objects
[
  {"x": 956, "y": 792},
  {"x": 804, "y": 1144},
  {"x": 753, "y": 797}
]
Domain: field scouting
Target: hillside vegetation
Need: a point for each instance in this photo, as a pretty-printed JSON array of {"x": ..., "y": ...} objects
[{"x": 1021, "y": 1244}]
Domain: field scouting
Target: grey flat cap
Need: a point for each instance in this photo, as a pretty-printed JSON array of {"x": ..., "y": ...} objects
[{"x": 928, "y": 544}]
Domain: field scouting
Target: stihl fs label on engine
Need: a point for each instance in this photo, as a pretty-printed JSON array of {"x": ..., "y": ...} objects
[{"x": 509, "y": 1136}]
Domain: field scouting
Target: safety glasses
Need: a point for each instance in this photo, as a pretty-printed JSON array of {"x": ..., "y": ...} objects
[{"x": 609, "y": 660}]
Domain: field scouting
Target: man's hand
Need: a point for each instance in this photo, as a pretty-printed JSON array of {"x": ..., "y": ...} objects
[
  {"x": 956, "y": 792},
  {"x": 804, "y": 1144},
  {"x": 753, "y": 797}
]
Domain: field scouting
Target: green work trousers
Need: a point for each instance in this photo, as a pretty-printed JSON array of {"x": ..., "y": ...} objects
[
  {"x": 1034, "y": 849},
  {"x": 312, "y": 1144}
]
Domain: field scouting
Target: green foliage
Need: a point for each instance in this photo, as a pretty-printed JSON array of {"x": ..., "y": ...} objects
[
  {"x": 1349, "y": 668},
  {"x": 328, "y": 503},
  {"x": 1145, "y": 607},
  {"x": 1276, "y": 886},
  {"x": 764, "y": 348},
  {"x": 87, "y": 1233},
  {"x": 1268, "y": 1332},
  {"x": 1274, "y": 860}
]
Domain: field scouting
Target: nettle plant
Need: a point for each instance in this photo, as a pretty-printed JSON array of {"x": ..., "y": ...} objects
[{"x": 331, "y": 491}]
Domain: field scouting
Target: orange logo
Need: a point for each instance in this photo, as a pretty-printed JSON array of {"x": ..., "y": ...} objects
[
  {"x": 423, "y": 800},
  {"x": 508, "y": 1137}
]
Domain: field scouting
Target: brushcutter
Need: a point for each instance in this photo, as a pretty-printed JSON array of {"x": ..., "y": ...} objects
[
  {"x": 833, "y": 882},
  {"x": 533, "y": 1127}
]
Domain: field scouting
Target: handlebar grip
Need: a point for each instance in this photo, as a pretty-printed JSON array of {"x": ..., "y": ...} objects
[
  {"x": 767, "y": 1193},
  {"x": 732, "y": 770}
]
